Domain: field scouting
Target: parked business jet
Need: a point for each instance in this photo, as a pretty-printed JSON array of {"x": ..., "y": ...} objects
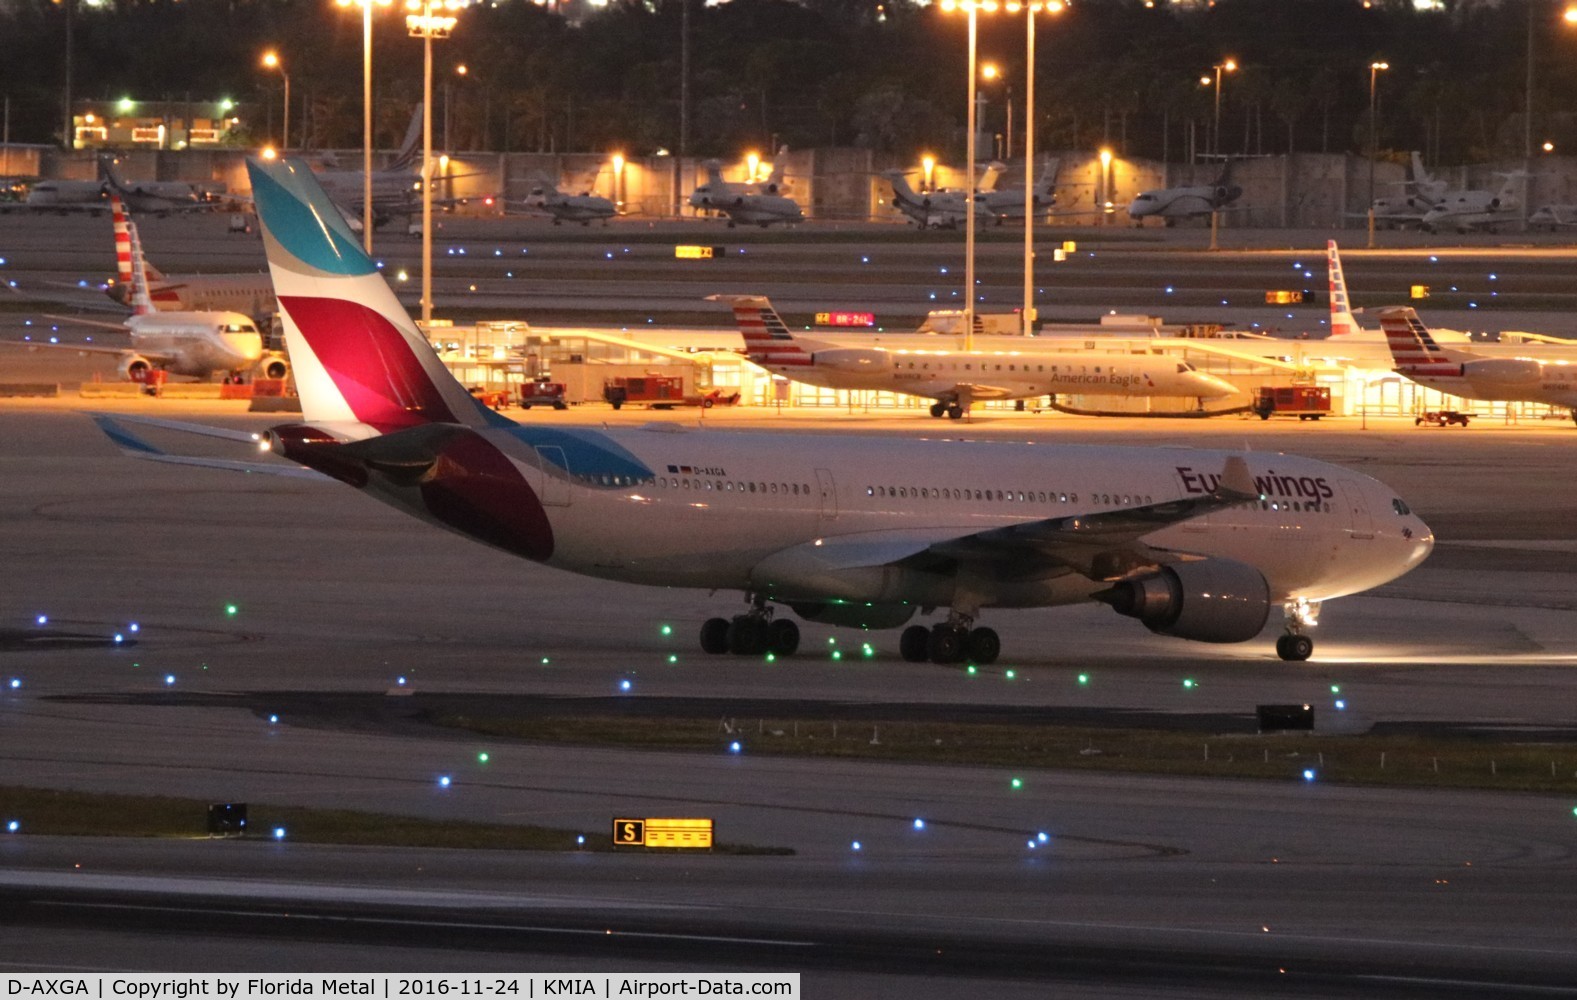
[
  {"x": 852, "y": 531},
  {"x": 157, "y": 197},
  {"x": 396, "y": 189},
  {"x": 252, "y": 294},
  {"x": 1474, "y": 209},
  {"x": 1345, "y": 328},
  {"x": 1186, "y": 202},
  {"x": 753, "y": 204},
  {"x": 584, "y": 208},
  {"x": 1007, "y": 204},
  {"x": 945, "y": 208},
  {"x": 201, "y": 344},
  {"x": 1470, "y": 375},
  {"x": 62, "y": 198},
  {"x": 1553, "y": 217},
  {"x": 957, "y": 378},
  {"x": 1421, "y": 194}
]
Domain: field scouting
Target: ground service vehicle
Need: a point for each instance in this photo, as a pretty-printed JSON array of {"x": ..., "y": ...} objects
[
  {"x": 1442, "y": 418},
  {"x": 660, "y": 392},
  {"x": 543, "y": 393},
  {"x": 1306, "y": 402}
]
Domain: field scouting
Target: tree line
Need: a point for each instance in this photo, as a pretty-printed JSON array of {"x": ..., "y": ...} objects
[{"x": 881, "y": 74}]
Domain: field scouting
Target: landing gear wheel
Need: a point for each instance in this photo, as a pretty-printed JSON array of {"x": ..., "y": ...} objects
[
  {"x": 782, "y": 637},
  {"x": 955, "y": 411},
  {"x": 747, "y": 636},
  {"x": 982, "y": 647},
  {"x": 714, "y": 636},
  {"x": 914, "y": 645},
  {"x": 1294, "y": 647},
  {"x": 946, "y": 644},
  {"x": 937, "y": 409}
]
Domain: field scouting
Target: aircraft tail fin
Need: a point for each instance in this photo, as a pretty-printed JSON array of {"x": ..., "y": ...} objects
[
  {"x": 901, "y": 189},
  {"x": 357, "y": 357},
  {"x": 1414, "y": 349},
  {"x": 767, "y": 339},
  {"x": 123, "y": 246},
  {"x": 110, "y": 176},
  {"x": 1343, "y": 323},
  {"x": 774, "y": 182},
  {"x": 1046, "y": 181},
  {"x": 410, "y": 153},
  {"x": 141, "y": 301}
]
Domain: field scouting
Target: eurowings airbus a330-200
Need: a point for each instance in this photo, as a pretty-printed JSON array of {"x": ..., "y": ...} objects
[{"x": 850, "y": 531}]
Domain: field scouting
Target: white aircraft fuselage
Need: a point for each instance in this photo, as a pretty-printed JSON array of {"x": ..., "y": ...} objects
[{"x": 197, "y": 343}]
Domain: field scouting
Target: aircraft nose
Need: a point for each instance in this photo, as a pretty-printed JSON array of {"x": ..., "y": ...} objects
[{"x": 1212, "y": 386}]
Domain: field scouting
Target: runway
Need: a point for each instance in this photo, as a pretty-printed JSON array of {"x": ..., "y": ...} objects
[{"x": 1145, "y": 886}]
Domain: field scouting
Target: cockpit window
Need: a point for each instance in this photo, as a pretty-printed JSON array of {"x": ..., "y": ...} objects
[
  {"x": 239, "y": 328},
  {"x": 1400, "y": 507},
  {"x": 1184, "y": 367}
]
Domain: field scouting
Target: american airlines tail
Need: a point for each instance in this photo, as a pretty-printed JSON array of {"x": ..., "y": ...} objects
[
  {"x": 141, "y": 301},
  {"x": 1414, "y": 350},
  {"x": 767, "y": 339},
  {"x": 123, "y": 246},
  {"x": 1343, "y": 323},
  {"x": 361, "y": 366}
]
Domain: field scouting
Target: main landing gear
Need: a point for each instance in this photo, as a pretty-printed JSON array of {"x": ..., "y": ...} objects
[
  {"x": 952, "y": 641},
  {"x": 754, "y": 633},
  {"x": 954, "y": 409},
  {"x": 1295, "y": 646}
]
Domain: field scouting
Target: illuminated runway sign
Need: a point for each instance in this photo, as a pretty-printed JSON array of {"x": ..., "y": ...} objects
[
  {"x": 698, "y": 252},
  {"x": 662, "y": 833}
]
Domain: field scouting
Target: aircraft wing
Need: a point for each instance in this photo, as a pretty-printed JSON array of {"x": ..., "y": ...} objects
[
  {"x": 84, "y": 321},
  {"x": 81, "y": 348},
  {"x": 1103, "y": 546},
  {"x": 134, "y": 446}
]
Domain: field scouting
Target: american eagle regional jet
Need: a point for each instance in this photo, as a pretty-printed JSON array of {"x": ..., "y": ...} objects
[{"x": 852, "y": 531}]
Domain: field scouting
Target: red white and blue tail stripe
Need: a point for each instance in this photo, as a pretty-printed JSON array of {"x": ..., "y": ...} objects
[
  {"x": 767, "y": 339},
  {"x": 1342, "y": 321},
  {"x": 1412, "y": 348},
  {"x": 361, "y": 366}
]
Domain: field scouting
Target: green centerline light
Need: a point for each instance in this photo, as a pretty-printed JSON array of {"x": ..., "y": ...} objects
[
  {"x": 231, "y": 609},
  {"x": 1084, "y": 678}
]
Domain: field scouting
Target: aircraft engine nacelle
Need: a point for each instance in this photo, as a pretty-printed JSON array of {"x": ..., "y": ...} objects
[
  {"x": 855, "y": 614},
  {"x": 274, "y": 367},
  {"x": 134, "y": 368},
  {"x": 852, "y": 359},
  {"x": 1508, "y": 370},
  {"x": 1212, "y": 600}
]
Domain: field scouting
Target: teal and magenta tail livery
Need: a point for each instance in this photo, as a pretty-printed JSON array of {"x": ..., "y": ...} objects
[{"x": 358, "y": 357}]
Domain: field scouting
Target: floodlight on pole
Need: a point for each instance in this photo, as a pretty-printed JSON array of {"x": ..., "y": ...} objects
[
  {"x": 427, "y": 20},
  {"x": 271, "y": 60},
  {"x": 366, "y": 112},
  {"x": 1375, "y": 69},
  {"x": 1230, "y": 66}
]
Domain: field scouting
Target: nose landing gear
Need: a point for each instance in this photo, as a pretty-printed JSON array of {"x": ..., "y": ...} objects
[{"x": 1300, "y": 614}]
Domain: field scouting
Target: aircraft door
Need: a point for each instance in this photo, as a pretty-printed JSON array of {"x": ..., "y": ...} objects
[
  {"x": 827, "y": 492},
  {"x": 1359, "y": 523},
  {"x": 552, "y": 476}
]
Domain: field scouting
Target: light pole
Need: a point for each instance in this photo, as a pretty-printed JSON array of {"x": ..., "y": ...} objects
[
  {"x": 366, "y": 113},
  {"x": 970, "y": 7},
  {"x": 1230, "y": 66},
  {"x": 1374, "y": 73},
  {"x": 427, "y": 19},
  {"x": 459, "y": 71},
  {"x": 990, "y": 73},
  {"x": 271, "y": 60}
]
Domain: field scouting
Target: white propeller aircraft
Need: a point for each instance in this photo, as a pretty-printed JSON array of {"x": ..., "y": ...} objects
[
  {"x": 1471, "y": 375},
  {"x": 854, "y": 531},
  {"x": 1014, "y": 369}
]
